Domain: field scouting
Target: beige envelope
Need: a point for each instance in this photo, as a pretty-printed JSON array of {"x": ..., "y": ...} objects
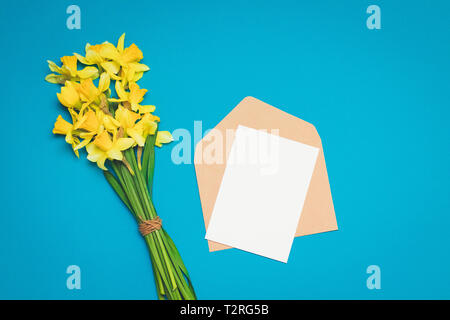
[{"x": 318, "y": 211}]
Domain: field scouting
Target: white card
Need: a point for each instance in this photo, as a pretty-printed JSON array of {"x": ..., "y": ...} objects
[{"x": 262, "y": 193}]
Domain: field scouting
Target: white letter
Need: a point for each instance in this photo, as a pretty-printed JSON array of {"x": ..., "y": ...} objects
[
  {"x": 374, "y": 21},
  {"x": 214, "y": 149},
  {"x": 74, "y": 20},
  {"x": 374, "y": 281},
  {"x": 198, "y": 135},
  {"x": 74, "y": 280},
  {"x": 181, "y": 152}
]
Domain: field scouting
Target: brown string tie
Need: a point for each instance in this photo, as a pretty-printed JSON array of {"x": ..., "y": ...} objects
[{"x": 148, "y": 226}]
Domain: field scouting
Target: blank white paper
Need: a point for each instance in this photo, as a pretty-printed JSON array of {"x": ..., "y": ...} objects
[{"x": 262, "y": 193}]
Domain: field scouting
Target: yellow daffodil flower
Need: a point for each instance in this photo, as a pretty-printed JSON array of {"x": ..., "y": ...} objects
[
  {"x": 127, "y": 118},
  {"x": 89, "y": 93},
  {"x": 109, "y": 122},
  {"x": 133, "y": 97},
  {"x": 132, "y": 72},
  {"x": 105, "y": 130},
  {"x": 69, "y": 96},
  {"x": 120, "y": 54},
  {"x": 163, "y": 137},
  {"x": 125, "y": 60},
  {"x": 145, "y": 127},
  {"x": 103, "y": 148},
  {"x": 64, "y": 127},
  {"x": 88, "y": 122},
  {"x": 92, "y": 55},
  {"x": 138, "y": 131},
  {"x": 92, "y": 123},
  {"x": 88, "y": 126},
  {"x": 69, "y": 71}
]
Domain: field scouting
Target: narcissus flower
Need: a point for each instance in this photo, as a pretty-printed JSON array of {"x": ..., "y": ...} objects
[
  {"x": 124, "y": 64},
  {"x": 105, "y": 129},
  {"x": 127, "y": 118},
  {"x": 64, "y": 127},
  {"x": 88, "y": 122},
  {"x": 69, "y": 71},
  {"x": 88, "y": 126},
  {"x": 92, "y": 55},
  {"x": 163, "y": 137},
  {"x": 103, "y": 147},
  {"x": 69, "y": 96},
  {"x": 145, "y": 127},
  {"x": 109, "y": 122},
  {"x": 90, "y": 93},
  {"x": 132, "y": 98}
]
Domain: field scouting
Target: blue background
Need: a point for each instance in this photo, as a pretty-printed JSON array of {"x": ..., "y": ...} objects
[{"x": 379, "y": 98}]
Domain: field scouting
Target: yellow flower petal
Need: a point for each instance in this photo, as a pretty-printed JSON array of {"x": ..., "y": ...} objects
[
  {"x": 137, "y": 76},
  {"x": 148, "y": 124},
  {"x": 110, "y": 123},
  {"x": 146, "y": 109},
  {"x": 115, "y": 100},
  {"x": 109, "y": 51},
  {"x": 88, "y": 122},
  {"x": 95, "y": 154},
  {"x": 104, "y": 81},
  {"x": 83, "y": 143},
  {"x": 69, "y": 138},
  {"x": 55, "y": 78},
  {"x": 139, "y": 67},
  {"x": 101, "y": 163},
  {"x": 88, "y": 72},
  {"x": 53, "y": 67},
  {"x": 92, "y": 55},
  {"x": 137, "y": 136},
  {"x": 163, "y": 137},
  {"x": 129, "y": 72},
  {"x": 88, "y": 91},
  {"x": 112, "y": 68},
  {"x": 120, "y": 43},
  {"x": 82, "y": 59},
  {"x": 103, "y": 141},
  {"x": 114, "y": 154},
  {"x": 126, "y": 117},
  {"x": 69, "y": 96},
  {"x": 124, "y": 143},
  {"x": 131, "y": 54},
  {"x": 150, "y": 128},
  {"x": 62, "y": 126},
  {"x": 70, "y": 62},
  {"x": 121, "y": 91},
  {"x": 135, "y": 96}
]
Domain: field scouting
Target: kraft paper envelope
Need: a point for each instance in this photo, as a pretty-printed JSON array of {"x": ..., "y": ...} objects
[{"x": 318, "y": 211}]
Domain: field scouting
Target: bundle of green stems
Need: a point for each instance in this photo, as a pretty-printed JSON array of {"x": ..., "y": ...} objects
[{"x": 132, "y": 181}]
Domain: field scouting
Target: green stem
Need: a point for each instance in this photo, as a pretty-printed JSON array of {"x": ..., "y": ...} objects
[{"x": 168, "y": 268}]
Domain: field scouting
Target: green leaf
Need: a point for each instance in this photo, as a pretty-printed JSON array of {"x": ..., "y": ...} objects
[
  {"x": 176, "y": 258},
  {"x": 132, "y": 192},
  {"x": 117, "y": 188},
  {"x": 148, "y": 161}
]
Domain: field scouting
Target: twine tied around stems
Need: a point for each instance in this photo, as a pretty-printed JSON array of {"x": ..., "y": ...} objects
[{"x": 148, "y": 226}]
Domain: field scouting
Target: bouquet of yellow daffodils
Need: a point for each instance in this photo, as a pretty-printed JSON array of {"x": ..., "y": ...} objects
[{"x": 120, "y": 133}]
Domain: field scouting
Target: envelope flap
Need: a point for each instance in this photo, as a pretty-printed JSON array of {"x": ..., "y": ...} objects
[{"x": 253, "y": 113}]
